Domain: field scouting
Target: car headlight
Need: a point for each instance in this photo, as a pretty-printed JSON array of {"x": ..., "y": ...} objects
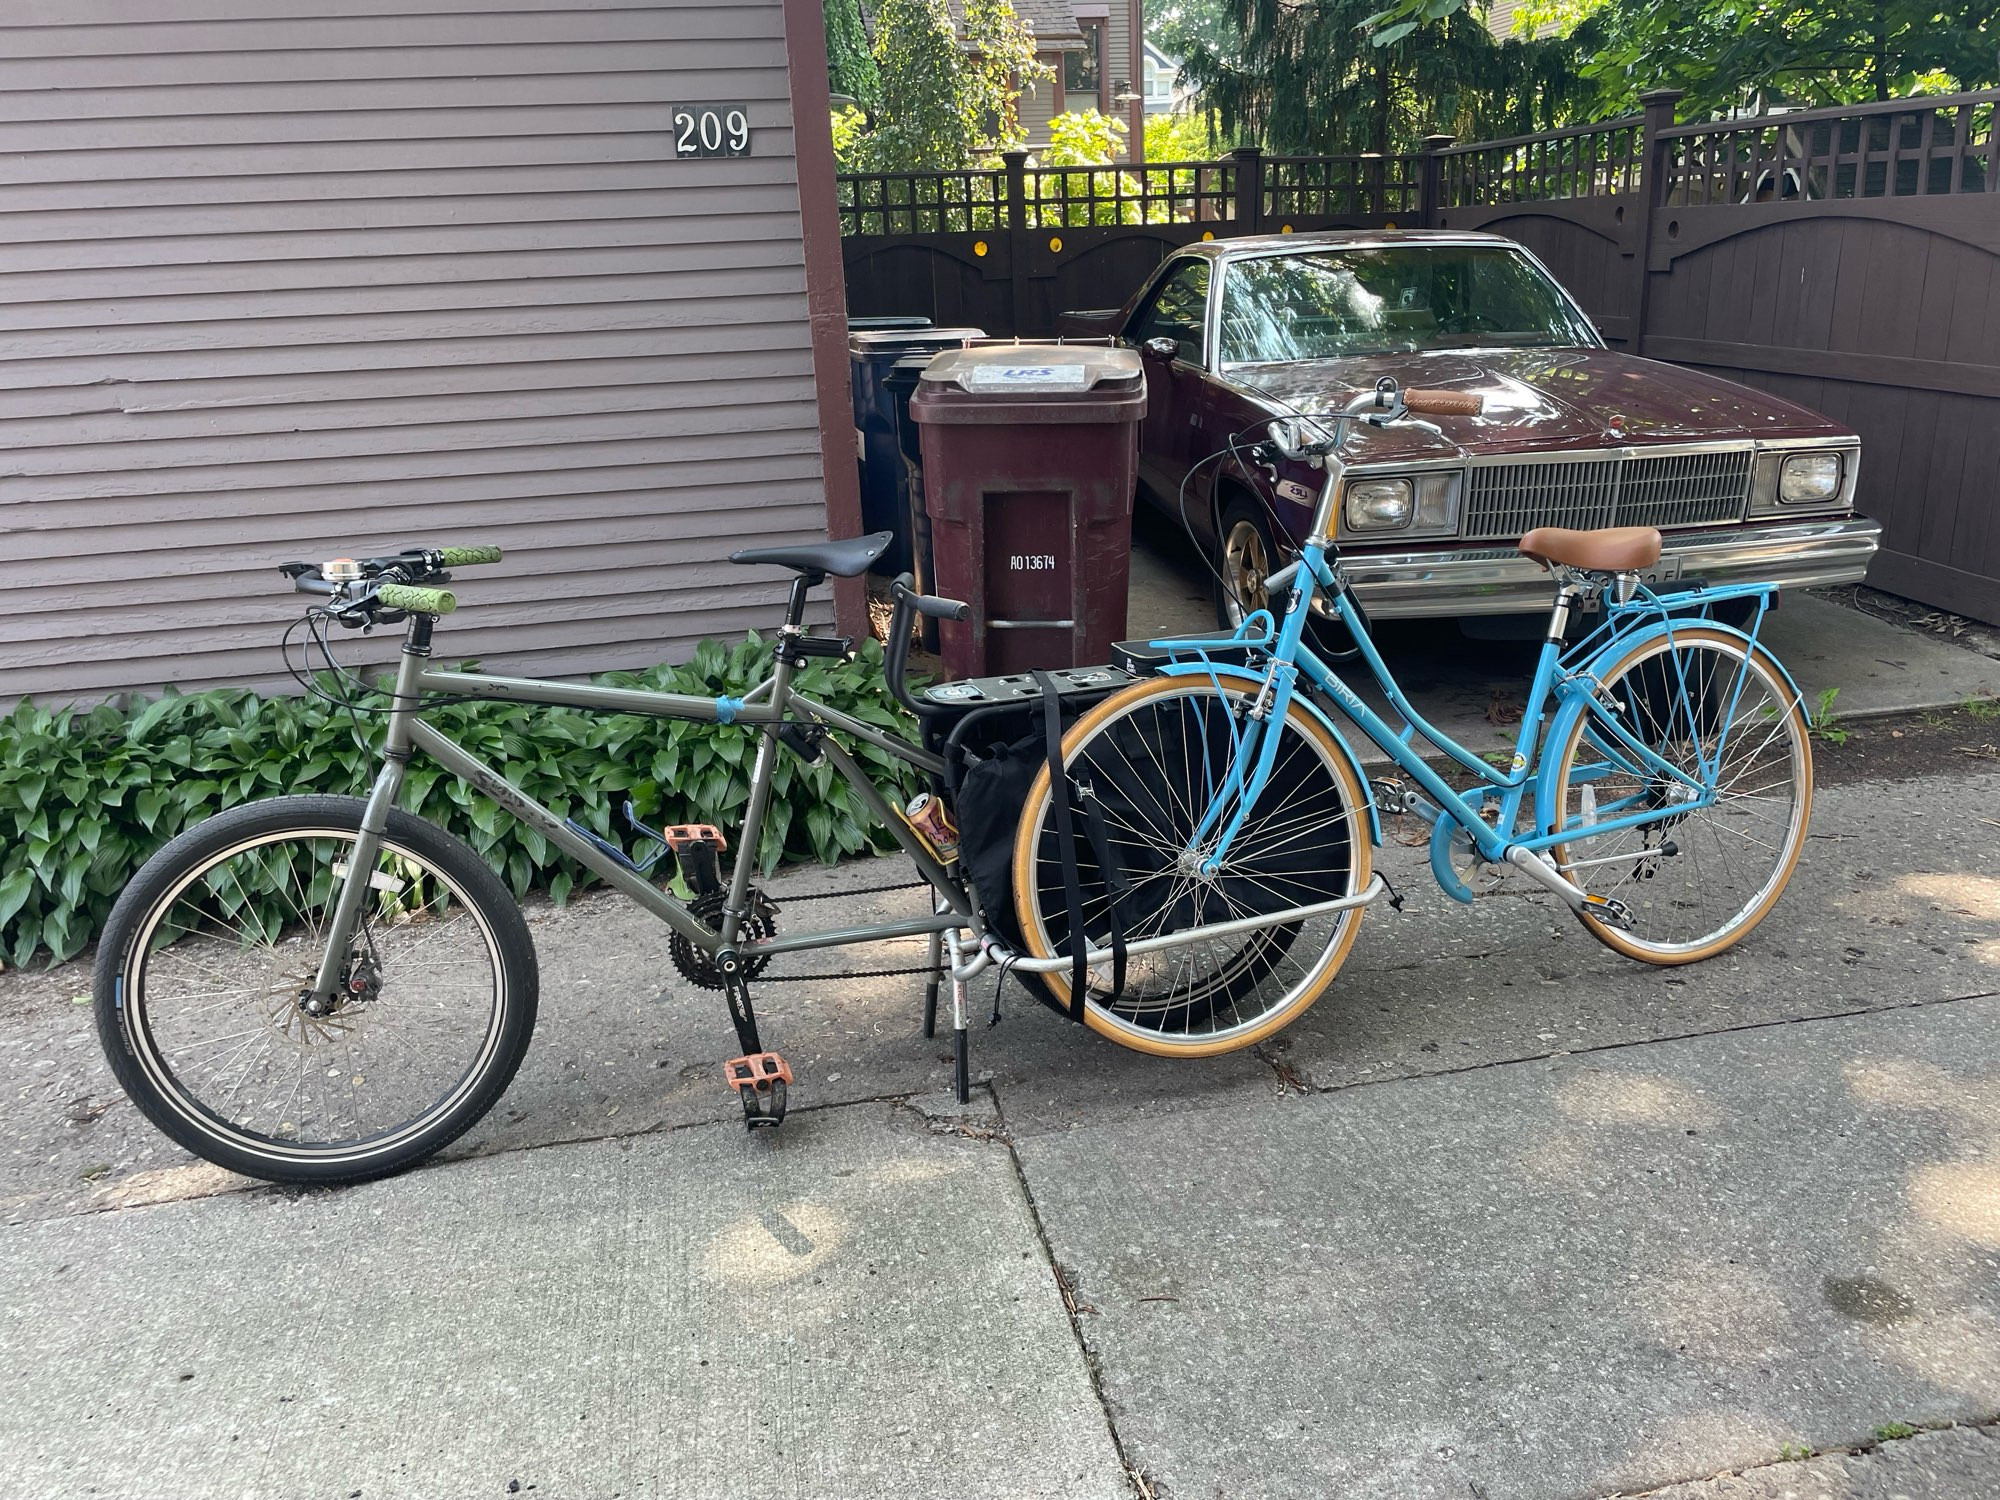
[
  {"x": 1378, "y": 504},
  {"x": 1809, "y": 478}
]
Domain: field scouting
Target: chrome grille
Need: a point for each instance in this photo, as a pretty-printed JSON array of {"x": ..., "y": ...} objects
[{"x": 1678, "y": 489}]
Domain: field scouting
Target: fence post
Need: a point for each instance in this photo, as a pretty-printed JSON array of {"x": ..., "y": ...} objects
[
  {"x": 1015, "y": 164},
  {"x": 1249, "y": 188},
  {"x": 1659, "y": 107},
  {"x": 1430, "y": 179}
]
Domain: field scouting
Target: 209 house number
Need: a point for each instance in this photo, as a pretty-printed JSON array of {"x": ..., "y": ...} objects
[
  {"x": 1032, "y": 562},
  {"x": 711, "y": 130}
]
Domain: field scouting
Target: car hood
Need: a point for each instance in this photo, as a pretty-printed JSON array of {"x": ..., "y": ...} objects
[{"x": 1536, "y": 399}]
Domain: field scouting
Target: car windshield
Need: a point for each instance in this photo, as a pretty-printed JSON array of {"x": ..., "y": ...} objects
[{"x": 1327, "y": 304}]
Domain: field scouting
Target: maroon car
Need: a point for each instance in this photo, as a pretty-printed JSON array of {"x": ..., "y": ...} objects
[{"x": 1236, "y": 332}]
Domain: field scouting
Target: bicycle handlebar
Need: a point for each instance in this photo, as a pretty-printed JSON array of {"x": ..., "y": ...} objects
[
  {"x": 910, "y": 603},
  {"x": 368, "y": 585},
  {"x": 928, "y": 605},
  {"x": 1444, "y": 403},
  {"x": 417, "y": 601}
]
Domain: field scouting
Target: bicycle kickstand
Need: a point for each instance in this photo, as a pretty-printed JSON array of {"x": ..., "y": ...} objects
[{"x": 961, "y": 1065}]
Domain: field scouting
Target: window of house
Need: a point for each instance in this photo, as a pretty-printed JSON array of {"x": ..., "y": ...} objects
[
  {"x": 1083, "y": 71},
  {"x": 1159, "y": 86}
]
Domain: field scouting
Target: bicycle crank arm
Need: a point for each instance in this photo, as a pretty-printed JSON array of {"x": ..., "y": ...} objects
[{"x": 1537, "y": 867}]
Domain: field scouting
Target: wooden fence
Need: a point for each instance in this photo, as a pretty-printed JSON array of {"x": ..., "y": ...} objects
[{"x": 1848, "y": 259}]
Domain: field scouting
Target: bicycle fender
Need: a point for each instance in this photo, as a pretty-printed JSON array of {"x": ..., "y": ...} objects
[
  {"x": 1573, "y": 708},
  {"x": 1254, "y": 679}
]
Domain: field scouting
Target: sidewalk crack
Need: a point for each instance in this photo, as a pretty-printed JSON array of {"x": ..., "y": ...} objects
[{"x": 1142, "y": 1485}]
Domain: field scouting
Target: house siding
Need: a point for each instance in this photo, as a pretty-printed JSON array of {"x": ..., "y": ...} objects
[{"x": 323, "y": 277}]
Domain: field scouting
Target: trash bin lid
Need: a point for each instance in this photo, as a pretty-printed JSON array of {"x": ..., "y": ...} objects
[
  {"x": 902, "y": 320},
  {"x": 1032, "y": 383},
  {"x": 909, "y": 340}
]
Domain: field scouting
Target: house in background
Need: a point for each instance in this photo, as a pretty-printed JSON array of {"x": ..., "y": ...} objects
[{"x": 1163, "y": 90}]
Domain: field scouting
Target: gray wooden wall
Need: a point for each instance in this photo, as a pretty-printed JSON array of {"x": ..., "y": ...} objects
[{"x": 298, "y": 278}]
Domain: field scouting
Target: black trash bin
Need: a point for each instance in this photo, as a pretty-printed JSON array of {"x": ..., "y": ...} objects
[{"x": 878, "y": 417}]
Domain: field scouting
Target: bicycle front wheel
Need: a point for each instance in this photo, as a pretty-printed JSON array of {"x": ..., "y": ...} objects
[
  {"x": 1706, "y": 866},
  {"x": 1156, "y": 756},
  {"x": 205, "y": 970}
]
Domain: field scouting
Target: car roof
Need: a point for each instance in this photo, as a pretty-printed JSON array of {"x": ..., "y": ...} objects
[{"x": 1337, "y": 239}]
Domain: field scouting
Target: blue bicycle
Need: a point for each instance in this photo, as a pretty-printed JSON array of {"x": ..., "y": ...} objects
[{"x": 1660, "y": 785}]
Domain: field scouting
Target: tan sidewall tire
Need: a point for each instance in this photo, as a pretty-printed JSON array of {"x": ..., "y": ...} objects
[
  {"x": 1616, "y": 940},
  {"x": 1024, "y": 860}
]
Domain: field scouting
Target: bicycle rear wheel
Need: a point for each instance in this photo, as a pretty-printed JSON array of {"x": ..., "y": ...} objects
[
  {"x": 205, "y": 965},
  {"x": 1156, "y": 756},
  {"x": 1706, "y": 871}
]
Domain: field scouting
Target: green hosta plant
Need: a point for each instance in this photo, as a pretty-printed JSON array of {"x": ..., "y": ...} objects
[{"x": 87, "y": 796}]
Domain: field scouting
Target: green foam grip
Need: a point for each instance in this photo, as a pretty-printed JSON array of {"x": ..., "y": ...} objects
[
  {"x": 418, "y": 601},
  {"x": 465, "y": 557}
]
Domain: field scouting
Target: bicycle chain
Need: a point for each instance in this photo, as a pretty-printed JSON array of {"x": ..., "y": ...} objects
[
  {"x": 866, "y": 890},
  {"x": 851, "y": 974}
]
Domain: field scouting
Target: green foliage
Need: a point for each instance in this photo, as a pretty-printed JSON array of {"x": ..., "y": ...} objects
[
  {"x": 1183, "y": 135},
  {"x": 85, "y": 798},
  {"x": 943, "y": 104},
  {"x": 850, "y": 66},
  {"x": 1983, "y": 708},
  {"x": 920, "y": 125},
  {"x": 1893, "y": 1432},
  {"x": 1177, "y": 27},
  {"x": 1084, "y": 138},
  {"x": 1823, "y": 723},
  {"x": 1810, "y": 52},
  {"x": 1311, "y": 78},
  {"x": 850, "y": 134}
]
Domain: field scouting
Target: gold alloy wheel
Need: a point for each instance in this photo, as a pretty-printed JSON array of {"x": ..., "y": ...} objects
[
  {"x": 1263, "y": 953},
  {"x": 1246, "y": 563}
]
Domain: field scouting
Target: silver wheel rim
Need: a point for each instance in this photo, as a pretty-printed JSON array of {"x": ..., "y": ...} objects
[
  {"x": 1745, "y": 844},
  {"x": 1245, "y": 565},
  {"x": 1321, "y": 941},
  {"x": 326, "y": 1071}
]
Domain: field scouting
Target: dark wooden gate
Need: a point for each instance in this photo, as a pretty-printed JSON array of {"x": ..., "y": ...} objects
[{"x": 1848, "y": 259}]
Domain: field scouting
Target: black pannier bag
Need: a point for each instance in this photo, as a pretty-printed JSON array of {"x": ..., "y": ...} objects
[{"x": 992, "y": 754}]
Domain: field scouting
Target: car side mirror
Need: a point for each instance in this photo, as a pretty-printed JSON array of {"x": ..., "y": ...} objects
[{"x": 1162, "y": 348}]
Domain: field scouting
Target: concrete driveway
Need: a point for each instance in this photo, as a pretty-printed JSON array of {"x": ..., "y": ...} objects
[{"x": 1503, "y": 1216}]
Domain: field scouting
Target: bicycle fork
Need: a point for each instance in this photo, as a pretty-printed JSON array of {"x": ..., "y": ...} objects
[{"x": 360, "y": 879}]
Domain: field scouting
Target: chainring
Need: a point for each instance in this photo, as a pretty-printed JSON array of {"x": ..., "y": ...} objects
[{"x": 700, "y": 968}]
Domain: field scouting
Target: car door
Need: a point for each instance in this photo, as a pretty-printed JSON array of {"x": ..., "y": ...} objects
[{"x": 1171, "y": 438}]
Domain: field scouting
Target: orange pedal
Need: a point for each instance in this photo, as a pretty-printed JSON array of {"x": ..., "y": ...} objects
[
  {"x": 678, "y": 834},
  {"x": 762, "y": 1082},
  {"x": 759, "y": 1070}
]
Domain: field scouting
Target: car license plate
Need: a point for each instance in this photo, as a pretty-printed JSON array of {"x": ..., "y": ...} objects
[{"x": 1666, "y": 570}]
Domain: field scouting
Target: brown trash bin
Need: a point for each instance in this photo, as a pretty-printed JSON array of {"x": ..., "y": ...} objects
[{"x": 1030, "y": 459}]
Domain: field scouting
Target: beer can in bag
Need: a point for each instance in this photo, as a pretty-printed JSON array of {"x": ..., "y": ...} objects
[{"x": 929, "y": 820}]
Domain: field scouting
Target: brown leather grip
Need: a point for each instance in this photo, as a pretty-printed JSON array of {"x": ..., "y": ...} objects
[{"x": 1444, "y": 403}]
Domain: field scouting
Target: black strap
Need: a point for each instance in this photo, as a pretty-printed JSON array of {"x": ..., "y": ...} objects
[
  {"x": 1059, "y": 799},
  {"x": 1114, "y": 880}
]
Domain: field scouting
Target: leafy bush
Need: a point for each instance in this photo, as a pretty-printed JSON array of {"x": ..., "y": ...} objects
[{"x": 86, "y": 797}]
